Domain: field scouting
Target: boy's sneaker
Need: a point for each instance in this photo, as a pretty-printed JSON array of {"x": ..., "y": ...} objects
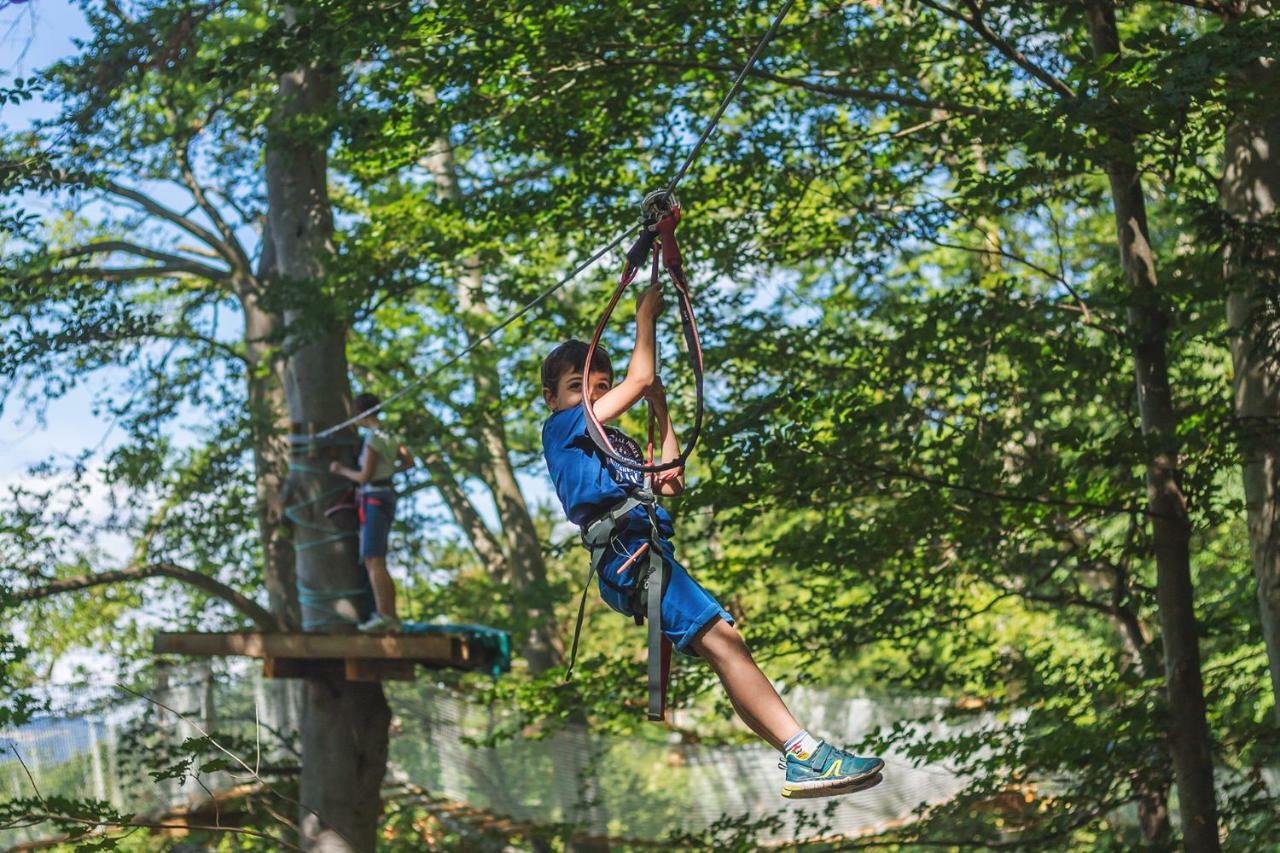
[
  {"x": 829, "y": 771},
  {"x": 379, "y": 624}
]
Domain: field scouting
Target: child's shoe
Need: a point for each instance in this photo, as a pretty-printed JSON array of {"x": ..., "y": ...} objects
[
  {"x": 828, "y": 772},
  {"x": 379, "y": 624}
]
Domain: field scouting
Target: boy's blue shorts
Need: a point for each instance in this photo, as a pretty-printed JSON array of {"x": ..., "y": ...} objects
[
  {"x": 377, "y": 509},
  {"x": 687, "y": 608}
]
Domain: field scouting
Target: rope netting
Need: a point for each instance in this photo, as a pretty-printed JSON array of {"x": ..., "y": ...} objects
[{"x": 606, "y": 786}]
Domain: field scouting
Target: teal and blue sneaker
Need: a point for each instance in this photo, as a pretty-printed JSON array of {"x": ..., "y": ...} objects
[{"x": 828, "y": 772}]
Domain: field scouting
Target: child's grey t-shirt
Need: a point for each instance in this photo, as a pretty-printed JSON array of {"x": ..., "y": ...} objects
[{"x": 387, "y": 446}]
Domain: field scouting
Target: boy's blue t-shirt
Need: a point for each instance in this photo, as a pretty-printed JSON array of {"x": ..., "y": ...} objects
[{"x": 587, "y": 482}]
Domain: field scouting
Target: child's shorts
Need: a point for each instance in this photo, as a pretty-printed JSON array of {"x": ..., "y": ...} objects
[
  {"x": 377, "y": 509},
  {"x": 687, "y": 608}
]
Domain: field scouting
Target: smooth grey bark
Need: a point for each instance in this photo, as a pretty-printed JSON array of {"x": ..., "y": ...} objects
[
  {"x": 269, "y": 424},
  {"x": 345, "y": 726},
  {"x": 1188, "y": 736},
  {"x": 280, "y": 712},
  {"x": 527, "y": 568},
  {"x": 1249, "y": 192},
  {"x": 521, "y": 545}
]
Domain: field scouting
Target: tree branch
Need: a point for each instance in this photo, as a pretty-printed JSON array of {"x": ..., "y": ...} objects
[
  {"x": 979, "y": 25},
  {"x": 1209, "y": 6},
  {"x": 240, "y": 258},
  {"x": 157, "y": 209},
  {"x": 258, "y": 614},
  {"x": 1026, "y": 262},
  {"x": 185, "y": 268},
  {"x": 846, "y": 92},
  {"x": 124, "y": 246},
  {"x": 34, "y": 818}
]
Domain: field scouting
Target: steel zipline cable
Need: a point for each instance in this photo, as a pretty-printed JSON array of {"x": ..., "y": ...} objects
[
  {"x": 454, "y": 359},
  {"x": 710, "y": 128}
]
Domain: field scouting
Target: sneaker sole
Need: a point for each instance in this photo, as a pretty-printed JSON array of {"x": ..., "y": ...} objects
[
  {"x": 862, "y": 784},
  {"x": 799, "y": 789}
]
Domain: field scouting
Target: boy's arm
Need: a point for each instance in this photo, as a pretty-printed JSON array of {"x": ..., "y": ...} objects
[
  {"x": 639, "y": 376},
  {"x": 668, "y": 484},
  {"x": 404, "y": 459},
  {"x": 368, "y": 464}
]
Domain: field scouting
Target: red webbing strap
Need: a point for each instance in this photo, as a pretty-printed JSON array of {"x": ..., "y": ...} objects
[
  {"x": 654, "y": 281},
  {"x": 670, "y": 251}
]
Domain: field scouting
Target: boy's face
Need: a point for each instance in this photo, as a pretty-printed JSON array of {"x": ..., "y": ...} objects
[{"x": 568, "y": 390}]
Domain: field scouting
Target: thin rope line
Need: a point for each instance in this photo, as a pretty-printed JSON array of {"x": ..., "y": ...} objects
[
  {"x": 614, "y": 243},
  {"x": 728, "y": 99},
  {"x": 680, "y": 173}
]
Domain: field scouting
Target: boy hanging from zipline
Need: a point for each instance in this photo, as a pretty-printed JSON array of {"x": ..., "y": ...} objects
[
  {"x": 596, "y": 489},
  {"x": 381, "y": 456}
]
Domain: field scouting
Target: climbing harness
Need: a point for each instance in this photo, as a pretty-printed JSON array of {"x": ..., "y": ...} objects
[
  {"x": 646, "y": 601},
  {"x": 317, "y": 612}
]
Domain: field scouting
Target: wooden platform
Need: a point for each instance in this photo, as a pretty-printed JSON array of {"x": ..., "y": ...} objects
[{"x": 349, "y": 657}]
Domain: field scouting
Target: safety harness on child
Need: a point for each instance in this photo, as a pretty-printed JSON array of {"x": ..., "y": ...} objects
[{"x": 661, "y": 213}]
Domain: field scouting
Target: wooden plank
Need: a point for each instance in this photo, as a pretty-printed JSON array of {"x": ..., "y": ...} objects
[{"x": 437, "y": 649}]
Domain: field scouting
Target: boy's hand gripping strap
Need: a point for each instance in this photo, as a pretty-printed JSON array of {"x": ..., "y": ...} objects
[{"x": 665, "y": 229}]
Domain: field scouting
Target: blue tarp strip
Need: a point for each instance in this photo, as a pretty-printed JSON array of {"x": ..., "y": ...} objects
[{"x": 497, "y": 640}]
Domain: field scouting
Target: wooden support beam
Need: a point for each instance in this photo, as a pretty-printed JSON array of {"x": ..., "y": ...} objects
[
  {"x": 329, "y": 670},
  {"x": 363, "y": 669}
]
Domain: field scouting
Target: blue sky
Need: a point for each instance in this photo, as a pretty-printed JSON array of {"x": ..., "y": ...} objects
[{"x": 33, "y": 35}]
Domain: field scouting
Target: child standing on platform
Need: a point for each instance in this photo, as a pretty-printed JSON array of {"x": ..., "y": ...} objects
[{"x": 381, "y": 457}]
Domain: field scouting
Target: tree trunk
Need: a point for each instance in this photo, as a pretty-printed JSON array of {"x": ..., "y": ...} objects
[
  {"x": 281, "y": 709},
  {"x": 1189, "y": 741},
  {"x": 269, "y": 412},
  {"x": 269, "y": 421},
  {"x": 345, "y": 728},
  {"x": 1250, "y": 190},
  {"x": 524, "y": 556}
]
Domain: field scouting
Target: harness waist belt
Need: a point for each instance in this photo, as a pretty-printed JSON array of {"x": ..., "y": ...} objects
[{"x": 597, "y": 532}]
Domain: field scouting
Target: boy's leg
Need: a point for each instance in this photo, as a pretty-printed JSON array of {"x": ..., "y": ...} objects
[
  {"x": 752, "y": 695},
  {"x": 384, "y": 591},
  {"x": 813, "y": 767}
]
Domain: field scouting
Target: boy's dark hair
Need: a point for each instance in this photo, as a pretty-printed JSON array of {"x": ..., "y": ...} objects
[
  {"x": 572, "y": 355},
  {"x": 365, "y": 402}
]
